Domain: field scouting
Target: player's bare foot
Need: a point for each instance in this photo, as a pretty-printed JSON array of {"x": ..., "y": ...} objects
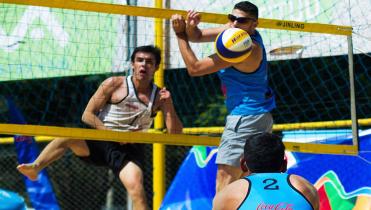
[{"x": 29, "y": 170}]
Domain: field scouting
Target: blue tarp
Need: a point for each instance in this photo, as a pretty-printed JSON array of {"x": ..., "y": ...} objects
[
  {"x": 40, "y": 192},
  {"x": 194, "y": 185},
  {"x": 11, "y": 201}
]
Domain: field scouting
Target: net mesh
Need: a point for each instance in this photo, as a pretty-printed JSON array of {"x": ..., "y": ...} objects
[{"x": 52, "y": 61}]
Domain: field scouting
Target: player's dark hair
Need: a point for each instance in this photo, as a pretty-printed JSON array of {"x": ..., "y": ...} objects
[
  {"x": 264, "y": 153},
  {"x": 248, "y": 8},
  {"x": 148, "y": 49}
]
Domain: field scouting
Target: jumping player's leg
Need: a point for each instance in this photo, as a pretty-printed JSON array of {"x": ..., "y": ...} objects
[
  {"x": 52, "y": 152},
  {"x": 231, "y": 147},
  {"x": 226, "y": 174},
  {"x": 131, "y": 177}
]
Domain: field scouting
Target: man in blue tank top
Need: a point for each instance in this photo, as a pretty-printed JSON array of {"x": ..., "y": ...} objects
[
  {"x": 265, "y": 186},
  {"x": 249, "y": 98}
]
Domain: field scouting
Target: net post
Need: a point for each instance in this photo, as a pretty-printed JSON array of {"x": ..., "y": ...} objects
[
  {"x": 353, "y": 110},
  {"x": 159, "y": 149}
]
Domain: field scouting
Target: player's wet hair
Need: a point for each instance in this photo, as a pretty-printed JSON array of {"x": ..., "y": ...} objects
[
  {"x": 148, "y": 49},
  {"x": 264, "y": 153}
]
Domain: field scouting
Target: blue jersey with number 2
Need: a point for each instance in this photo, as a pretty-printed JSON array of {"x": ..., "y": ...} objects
[{"x": 273, "y": 191}]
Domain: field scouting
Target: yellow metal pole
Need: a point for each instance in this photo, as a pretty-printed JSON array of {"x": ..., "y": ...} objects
[{"x": 159, "y": 149}]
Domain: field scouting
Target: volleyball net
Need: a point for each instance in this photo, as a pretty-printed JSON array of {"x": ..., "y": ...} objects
[{"x": 54, "y": 55}]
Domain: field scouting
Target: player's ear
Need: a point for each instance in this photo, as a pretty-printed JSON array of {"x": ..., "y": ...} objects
[
  {"x": 284, "y": 164},
  {"x": 243, "y": 165},
  {"x": 256, "y": 23}
]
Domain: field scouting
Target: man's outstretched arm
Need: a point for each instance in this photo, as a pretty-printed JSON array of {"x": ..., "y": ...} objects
[
  {"x": 172, "y": 121},
  {"x": 98, "y": 101}
]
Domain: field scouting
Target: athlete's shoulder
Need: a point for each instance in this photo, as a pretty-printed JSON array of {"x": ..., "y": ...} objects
[
  {"x": 257, "y": 40},
  {"x": 306, "y": 188},
  {"x": 300, "y": 182},
  {"x": 232, "y": 195},
  {"x": 114, "y": 81}
]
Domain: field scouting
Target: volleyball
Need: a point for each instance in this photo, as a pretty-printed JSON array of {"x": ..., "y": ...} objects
[{"x": 233, "y": 45}]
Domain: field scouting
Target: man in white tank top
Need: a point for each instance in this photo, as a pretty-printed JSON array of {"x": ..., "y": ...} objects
[{"x": 122, "y": 104}]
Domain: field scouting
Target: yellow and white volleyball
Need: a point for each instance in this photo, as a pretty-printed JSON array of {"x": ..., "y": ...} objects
[{"x": 233, "y": 45}]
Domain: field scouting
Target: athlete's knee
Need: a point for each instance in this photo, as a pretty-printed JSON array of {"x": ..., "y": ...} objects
[
  {"x": 228, "y": 172},
  {"x": 132, "y": 179},
  {"x": 133, "y": 185},
  {"x": 61, "y": 141},
  {"x": 136, "y": 191},
  {"x": 223, "y": 173},
  {"x": 226, "y": 175},
  {"x": 78, "y": 147}
]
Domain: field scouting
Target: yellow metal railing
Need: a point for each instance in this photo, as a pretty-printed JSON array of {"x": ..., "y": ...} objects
[
  {"x": 159, "y": 149},
  {"x": 184, "y": 139},
  {"x": 76, "y": 133},
  {"x": 166, "y": 14}
]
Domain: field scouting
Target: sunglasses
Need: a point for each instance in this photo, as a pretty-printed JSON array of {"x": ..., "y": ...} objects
[{"x": 233, "y": 18}]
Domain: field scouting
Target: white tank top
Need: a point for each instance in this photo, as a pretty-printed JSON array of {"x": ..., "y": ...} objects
[{"x": 130, "y": 114}]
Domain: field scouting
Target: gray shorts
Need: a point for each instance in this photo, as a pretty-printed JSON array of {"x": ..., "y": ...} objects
[{"x": 236, "y": 131}]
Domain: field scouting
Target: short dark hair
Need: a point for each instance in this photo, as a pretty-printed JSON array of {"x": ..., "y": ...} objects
[
  {"x": 264, "y": 152},
  {"x": 148, "y": 49},
  {"x": 248, "y": 7}
]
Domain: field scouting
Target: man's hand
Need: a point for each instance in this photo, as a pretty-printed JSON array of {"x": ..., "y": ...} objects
[
  {"x": 179, "y": 24},
  {"x": 165, "y": 96},
  {"x": 193, "y": 19}
]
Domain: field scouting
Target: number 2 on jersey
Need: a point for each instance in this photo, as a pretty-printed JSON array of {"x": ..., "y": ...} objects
[{"x": 271, "y": 184}]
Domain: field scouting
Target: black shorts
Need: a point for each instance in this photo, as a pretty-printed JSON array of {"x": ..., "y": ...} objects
[{"x": 114, "y": 155}]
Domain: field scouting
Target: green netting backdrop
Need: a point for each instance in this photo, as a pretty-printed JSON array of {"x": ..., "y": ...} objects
[
  {"x": 311, "y": 96},
  {"x": 308, "y": 88}
]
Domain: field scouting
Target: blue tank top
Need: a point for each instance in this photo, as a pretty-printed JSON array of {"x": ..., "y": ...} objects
[
  {"x": 273, "y": 191},
  {"x": 248, "y": 93}
]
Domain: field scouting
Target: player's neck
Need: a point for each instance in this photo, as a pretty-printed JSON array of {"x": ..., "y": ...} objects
[{"x": 142, "y": 86}]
